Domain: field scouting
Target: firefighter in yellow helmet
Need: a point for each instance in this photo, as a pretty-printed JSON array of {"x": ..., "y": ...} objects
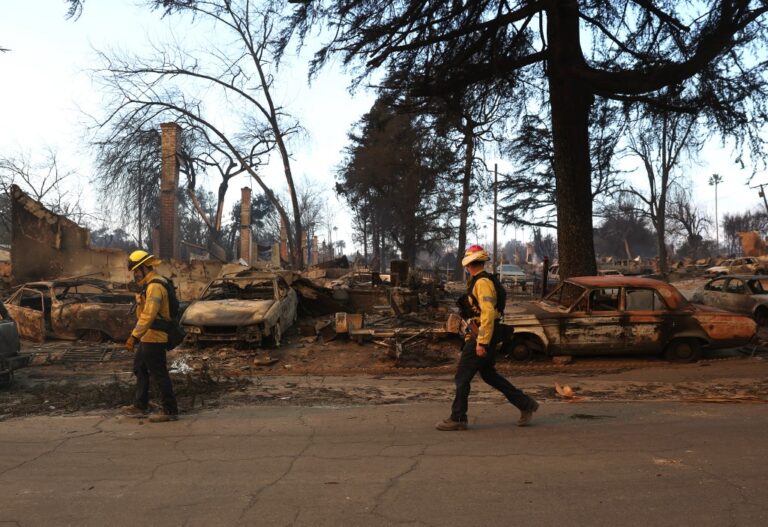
[
  {"x": 478, "y": 354},
  {"x": 148, "y": 339}
]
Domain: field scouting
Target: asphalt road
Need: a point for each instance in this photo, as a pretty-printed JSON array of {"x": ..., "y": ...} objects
[{"x": 642, "y": 463}]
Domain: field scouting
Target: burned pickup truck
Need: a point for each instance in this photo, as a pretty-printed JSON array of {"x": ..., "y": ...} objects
[
  {"x": 604, "y": 315},
  {"x": 83, "y": 308},
  {"x": 248, "y": 308}
]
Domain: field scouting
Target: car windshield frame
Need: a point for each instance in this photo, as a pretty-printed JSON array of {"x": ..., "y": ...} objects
[
  {"x": 573, "y": 295},
  {"x": 206, "y": 295}
]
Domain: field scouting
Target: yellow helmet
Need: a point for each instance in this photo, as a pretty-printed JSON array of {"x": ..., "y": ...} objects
[
  {"x": 475, "y": 253},
  {"x": 137, "y": 258}
]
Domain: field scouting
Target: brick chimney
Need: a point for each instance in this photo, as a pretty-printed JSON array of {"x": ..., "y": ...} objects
[
  {"x": 246, "y": 238},
  {"x": 169, "y": 181}
]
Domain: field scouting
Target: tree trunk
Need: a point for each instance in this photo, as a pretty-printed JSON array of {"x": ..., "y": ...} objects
[
  {"x": 661, "y": 225},
  {"x": 571, "y": 102},
  {"x": 469, "y": 153},
  {"x": 297, "y": 256}
]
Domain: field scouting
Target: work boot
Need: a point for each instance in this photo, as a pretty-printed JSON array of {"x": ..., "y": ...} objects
[
  {"x": 527, "y": 415},
  {"x": 162, "y": 417},
  {"x": 132, "y": 411},
  {"x": 449, "y": 425}
]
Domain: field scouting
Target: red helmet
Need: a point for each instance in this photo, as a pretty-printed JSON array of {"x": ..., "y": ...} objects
[{"x": 475, "y": 253}]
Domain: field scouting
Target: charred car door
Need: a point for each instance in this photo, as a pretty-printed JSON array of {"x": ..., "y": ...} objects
[
  {"x": 649, "y": 320},
  {"x": 735, "y": 297},
  {"x": 27, "y": 307},
  {"x": 714, "y": 292},
  {"x": 594, "y": 326}
]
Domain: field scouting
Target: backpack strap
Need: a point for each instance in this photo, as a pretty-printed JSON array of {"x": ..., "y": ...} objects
[
  {"x": 496, "y": 285},
  {"x": 471, "y": 286},
  {"x": 160, "y": 323}
]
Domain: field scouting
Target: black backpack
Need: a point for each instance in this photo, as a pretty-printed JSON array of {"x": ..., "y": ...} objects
[
  {"x": 501, "y": 293},
  {"x": 171, "y": 327}
]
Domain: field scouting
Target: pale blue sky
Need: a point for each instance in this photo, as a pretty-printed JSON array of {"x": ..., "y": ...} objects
[{"x": 45, "y": 87}]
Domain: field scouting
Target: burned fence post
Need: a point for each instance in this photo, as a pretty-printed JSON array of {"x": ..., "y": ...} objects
[{"x": 398, "y": 273}]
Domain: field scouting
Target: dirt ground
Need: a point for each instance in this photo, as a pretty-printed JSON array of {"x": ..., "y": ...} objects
[{"x": 74, "y": 377}]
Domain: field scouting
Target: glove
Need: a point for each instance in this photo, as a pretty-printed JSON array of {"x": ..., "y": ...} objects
[{"x": 130, "y": 343}]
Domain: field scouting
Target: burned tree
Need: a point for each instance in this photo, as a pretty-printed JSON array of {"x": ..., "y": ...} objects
[
  {"x": 45, "y": 180},
  {"x": 397, "y": 175},
  {"x": 687, "y": 221},
  {"x": 662, "y": 140},
  {"x": 175, "y": 85},
  {"x": 528, "y": 194},
  {"x": 470, "y": 119},
  {"x": 636, "y": 49},
  {"x": 625, "y": 231}
]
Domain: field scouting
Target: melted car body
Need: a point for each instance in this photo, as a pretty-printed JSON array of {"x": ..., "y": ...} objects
[
  {"x": 71, "y": 309},
  {"x": 598, "y": 315},
  {"x": 747, "y": 294},
  {"x": 247, "y": 307}
]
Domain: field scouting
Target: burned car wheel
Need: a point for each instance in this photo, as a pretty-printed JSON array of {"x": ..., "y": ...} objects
[
  {"x": 683, "y": 350},
  {"x": 519, "y": 350}
]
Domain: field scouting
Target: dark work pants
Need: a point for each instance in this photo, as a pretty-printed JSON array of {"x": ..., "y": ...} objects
[
  {"x": 469, "y": 365},
  {"x": 149, "y": 361}
]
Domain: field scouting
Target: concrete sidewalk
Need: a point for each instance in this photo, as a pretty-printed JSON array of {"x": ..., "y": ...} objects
[{"x": 581, "y": 464}]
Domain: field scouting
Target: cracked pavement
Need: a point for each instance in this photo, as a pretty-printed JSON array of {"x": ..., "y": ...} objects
[{"x": 606, "y": 463}]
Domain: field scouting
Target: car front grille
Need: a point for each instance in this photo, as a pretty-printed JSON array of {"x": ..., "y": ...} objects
[{"x": 219, "y": 330}]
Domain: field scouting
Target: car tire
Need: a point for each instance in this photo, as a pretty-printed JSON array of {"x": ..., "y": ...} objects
[
  {"x": 761, "y": 317},
  {"x": 683, "y": 350},
  {"x": 518, "y": 350},
  {"x": 92, "y": 336}
]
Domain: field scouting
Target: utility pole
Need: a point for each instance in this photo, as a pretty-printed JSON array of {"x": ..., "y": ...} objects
[
  {"x": 762, "y": 194},
  {"x": 495, "y": 211},
  {"x": 715, "y": 180}
]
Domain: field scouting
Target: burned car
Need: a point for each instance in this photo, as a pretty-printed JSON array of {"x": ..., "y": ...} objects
[
  {"x": 10, "y": 358},
  {"x": 747, "y": 264},
  {"x": 249, "y": 308},
  {"x": 82, "y": 308},
  {"x": 746, "y": 294},
  {"x": 603, "y": 315}
]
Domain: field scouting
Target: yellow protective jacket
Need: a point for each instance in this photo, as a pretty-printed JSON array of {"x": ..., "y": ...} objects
[
  {"x": 485, "y": 308},
  {"x": 150, "y": 304}
]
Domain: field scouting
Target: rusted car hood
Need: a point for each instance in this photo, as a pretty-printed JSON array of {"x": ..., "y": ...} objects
[{"x": 226, "y": 312}]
